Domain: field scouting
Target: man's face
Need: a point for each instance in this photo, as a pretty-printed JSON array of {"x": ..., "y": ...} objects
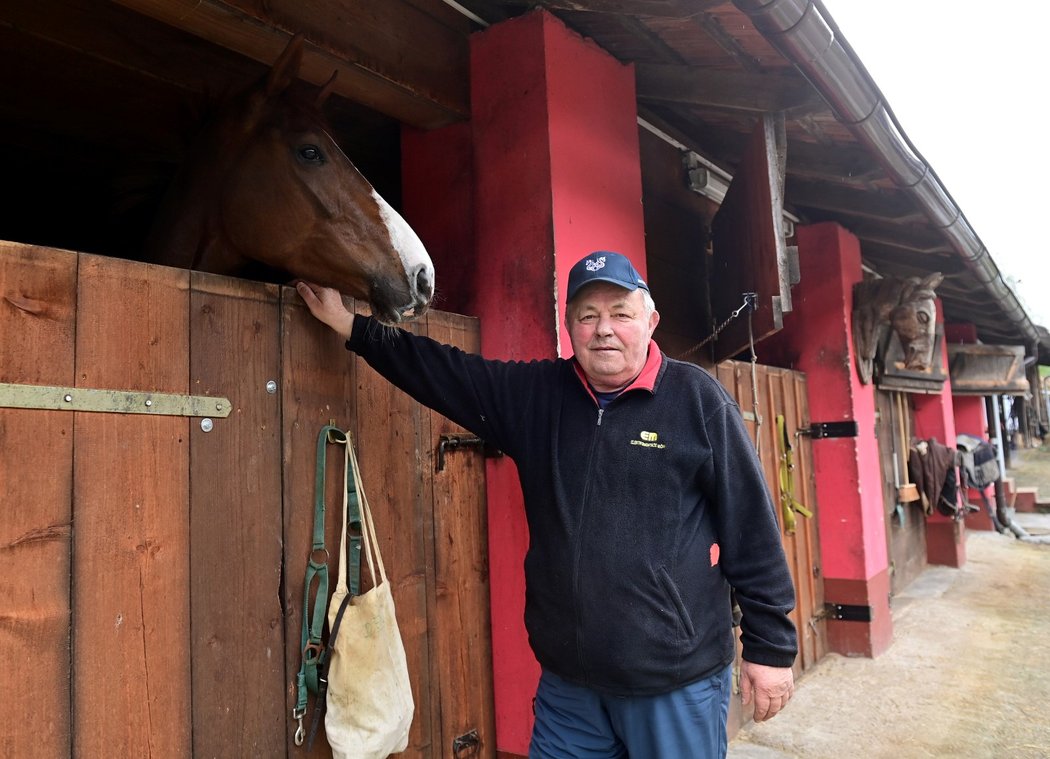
[{"x": 610, "y": 330}]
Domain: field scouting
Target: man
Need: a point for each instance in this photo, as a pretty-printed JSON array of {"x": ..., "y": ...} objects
[{"x": 645, "y": 503}]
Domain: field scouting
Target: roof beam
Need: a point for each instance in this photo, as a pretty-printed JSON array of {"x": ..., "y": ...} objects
[
  {"x": 654, "y": 8},
  {"x": 426, "y": 90},
  {"x": 691, "y": 85},
  {"x": 892, "y": 207}
]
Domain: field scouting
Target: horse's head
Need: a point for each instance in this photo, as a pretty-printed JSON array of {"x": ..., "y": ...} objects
[
  {"x": 908, "y": 307},
  {"x": 914, "y": 321},
  {"x": 268, "y": 187}
]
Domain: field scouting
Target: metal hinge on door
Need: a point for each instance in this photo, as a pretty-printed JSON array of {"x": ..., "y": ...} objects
[
  {"x": 820, "y": 430},
  {"x": 52, "y": 398},
  {"x": 454, "y": 441}
]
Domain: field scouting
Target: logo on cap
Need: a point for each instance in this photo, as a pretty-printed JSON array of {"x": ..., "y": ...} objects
[{"x": 595, "y": 265}]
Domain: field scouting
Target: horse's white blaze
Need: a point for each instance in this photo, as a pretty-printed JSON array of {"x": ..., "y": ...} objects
[{"x": 405, "y": 241}]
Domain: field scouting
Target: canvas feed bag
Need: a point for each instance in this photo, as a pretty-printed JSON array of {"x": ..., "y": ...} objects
[{"x": 369, "y": 699}]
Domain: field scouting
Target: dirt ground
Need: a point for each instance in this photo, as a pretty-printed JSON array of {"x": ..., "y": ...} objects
[{"x": 967, "y": 675}]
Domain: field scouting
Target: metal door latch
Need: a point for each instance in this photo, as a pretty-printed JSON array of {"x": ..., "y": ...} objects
[
  {"x": 455, "y": 441},
  {"x": 467, "y": 744}
]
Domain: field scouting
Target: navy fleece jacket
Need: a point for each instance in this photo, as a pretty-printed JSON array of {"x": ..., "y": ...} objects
[{"x": 640, "y": 516}]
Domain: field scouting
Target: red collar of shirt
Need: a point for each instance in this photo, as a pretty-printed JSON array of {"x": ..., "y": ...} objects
[{"x": 646, "y": 379}]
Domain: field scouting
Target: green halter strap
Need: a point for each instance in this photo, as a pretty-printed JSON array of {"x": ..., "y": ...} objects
[{"x": 313, "y": 650}]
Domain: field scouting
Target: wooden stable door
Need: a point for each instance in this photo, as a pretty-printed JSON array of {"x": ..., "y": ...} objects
[
  {"x": 905, "y": 520},
  {"x": 783, "y": 392},
  {"x": 152, "y": 566}
]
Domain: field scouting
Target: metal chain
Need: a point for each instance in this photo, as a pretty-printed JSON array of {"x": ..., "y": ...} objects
[
  {"x": 750, "y": 300},
  {"x": 750, "y": 303}
]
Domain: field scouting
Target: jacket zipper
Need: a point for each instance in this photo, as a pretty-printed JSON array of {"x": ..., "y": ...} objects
[{"x": 579, "y": 550}]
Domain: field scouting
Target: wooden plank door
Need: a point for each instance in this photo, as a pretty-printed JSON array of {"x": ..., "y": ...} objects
[
  {"x": 131, "y": 657},
  {"x": 38, "y": 295},
  {"x": 169, "y": 559},
  {"x": 906, "y": 522},
  {"x": 235, "y": 521},
  {"x": 462, "y": 645},
  {"x": 781, "y": 391}
]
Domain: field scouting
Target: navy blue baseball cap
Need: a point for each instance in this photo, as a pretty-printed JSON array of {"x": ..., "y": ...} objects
[{"x": 604, "y": 266}]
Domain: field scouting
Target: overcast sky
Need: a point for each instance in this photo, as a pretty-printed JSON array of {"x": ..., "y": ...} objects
[{"x": 968, "y": 81}]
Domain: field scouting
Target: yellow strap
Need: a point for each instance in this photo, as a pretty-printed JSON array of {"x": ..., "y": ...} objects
[{"x": 788, "y": 503}]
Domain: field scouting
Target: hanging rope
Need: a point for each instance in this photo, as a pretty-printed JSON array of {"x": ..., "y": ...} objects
[{"x": 754, "y": 385}]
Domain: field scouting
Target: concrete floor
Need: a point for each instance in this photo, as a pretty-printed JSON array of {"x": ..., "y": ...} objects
[{"x": 968, "y": 674}]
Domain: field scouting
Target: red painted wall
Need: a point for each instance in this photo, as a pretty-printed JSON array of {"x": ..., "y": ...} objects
[
  {"x": 555, "y": 173},
  {"x": 816, "y": 339},
  {"x": 437, "y": 199}
]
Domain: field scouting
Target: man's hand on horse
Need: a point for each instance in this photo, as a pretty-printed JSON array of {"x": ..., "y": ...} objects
[
  {"x": 327, "y": 306},
  {"x": 770, "y": 687}
]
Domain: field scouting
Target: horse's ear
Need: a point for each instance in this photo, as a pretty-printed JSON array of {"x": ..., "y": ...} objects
[
  {"x": 326, "y": 90},
  {"x": 931, "y": 281},
  {"x": 286, "y": 69}
]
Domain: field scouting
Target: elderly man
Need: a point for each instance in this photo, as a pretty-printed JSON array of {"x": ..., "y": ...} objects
[{"x": 645, "y": 503}]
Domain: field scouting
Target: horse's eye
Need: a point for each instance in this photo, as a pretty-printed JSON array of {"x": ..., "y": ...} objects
[
  {"x": 923, "y": 317},
  {"x": 311, "y": 154}
]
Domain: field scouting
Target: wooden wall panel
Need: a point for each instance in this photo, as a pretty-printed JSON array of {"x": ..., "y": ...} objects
[
  {"x": 235, "y": 521},
  {"x": 461, "y": 643},
  {"x": 392, "y": 447},
  {"x": 131, "y": 511},
  {"x": 317, "y": 388},
  {"x": 37, "y": 320}
]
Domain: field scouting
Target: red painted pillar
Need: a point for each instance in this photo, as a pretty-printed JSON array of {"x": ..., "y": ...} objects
[
  {"x": 934, "y": 418},
  {"x": 556, "y": 174},
  {"x": 817, "y": 338}
]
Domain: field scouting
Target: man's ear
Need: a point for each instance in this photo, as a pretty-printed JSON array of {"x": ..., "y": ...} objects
[{"x": 654, "y": 319}]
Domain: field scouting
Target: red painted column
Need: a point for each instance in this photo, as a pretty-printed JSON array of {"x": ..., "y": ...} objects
[
  {"x": 816, "y": 339},
  {"x": 934, "y": 418},
  {"x": 555, "y": 174}
]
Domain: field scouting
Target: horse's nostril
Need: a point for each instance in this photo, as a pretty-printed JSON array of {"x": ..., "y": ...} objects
[{"x": 424, "y": 282}]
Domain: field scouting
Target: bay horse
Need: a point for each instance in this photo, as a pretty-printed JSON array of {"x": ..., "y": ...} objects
[{"x": 267, "y": 193}]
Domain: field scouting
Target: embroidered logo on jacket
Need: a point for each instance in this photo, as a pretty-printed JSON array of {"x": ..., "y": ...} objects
[
  {"x": 594, "y": 265},
  {"x": 648, "y": 439}
]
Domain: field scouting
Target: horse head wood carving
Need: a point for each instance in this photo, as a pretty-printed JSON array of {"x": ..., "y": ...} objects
[
  {"x": 905, "y": 305},
  {"x": 267, "y": 193}
]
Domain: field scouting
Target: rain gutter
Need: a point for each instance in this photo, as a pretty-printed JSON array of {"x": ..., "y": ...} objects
[{"x": 805, "y": 34}]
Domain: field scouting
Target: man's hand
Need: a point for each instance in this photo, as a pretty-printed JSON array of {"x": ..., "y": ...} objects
[
  {"x": 327, "y": 306},
  {"x": 771, "y": 687}
]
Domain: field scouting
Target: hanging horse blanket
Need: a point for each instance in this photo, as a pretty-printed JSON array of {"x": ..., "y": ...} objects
[{"x": 929, "y": 463}]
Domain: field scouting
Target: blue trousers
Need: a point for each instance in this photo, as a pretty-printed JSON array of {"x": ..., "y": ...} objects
[{"x": 574, "y": 722}]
